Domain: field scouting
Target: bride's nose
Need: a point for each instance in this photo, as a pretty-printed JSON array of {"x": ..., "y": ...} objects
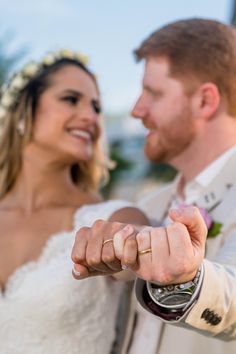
[{"x": 87, "y": 113}]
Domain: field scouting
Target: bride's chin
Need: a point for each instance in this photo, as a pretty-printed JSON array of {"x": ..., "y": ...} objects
[{"x": 82, "y": 155}]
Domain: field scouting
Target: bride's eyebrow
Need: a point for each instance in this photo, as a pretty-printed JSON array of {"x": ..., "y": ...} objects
[{"x": 72, "y": 92}]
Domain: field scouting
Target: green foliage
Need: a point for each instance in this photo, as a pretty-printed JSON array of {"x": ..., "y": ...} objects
[
  {"x": 122, "y": 164},
  {"x": 134, "y": 166},
  {"x": 161, "y": 172},
  {"x": 214, "y": 229}
]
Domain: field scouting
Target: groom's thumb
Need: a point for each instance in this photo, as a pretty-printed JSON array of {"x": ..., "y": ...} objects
[{"x": 193, "y": 220}]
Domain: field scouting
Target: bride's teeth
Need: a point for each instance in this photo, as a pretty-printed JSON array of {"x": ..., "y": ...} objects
[{"x": 80, "y": 133}]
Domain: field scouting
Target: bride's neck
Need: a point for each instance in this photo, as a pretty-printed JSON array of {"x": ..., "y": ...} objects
[{"x": 42, "y": 183}]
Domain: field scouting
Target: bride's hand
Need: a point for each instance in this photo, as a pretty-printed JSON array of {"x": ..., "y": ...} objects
[{"x": 99, "y": 250}]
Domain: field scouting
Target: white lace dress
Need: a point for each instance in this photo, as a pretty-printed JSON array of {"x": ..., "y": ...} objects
[{"x": 44, "y": 310}]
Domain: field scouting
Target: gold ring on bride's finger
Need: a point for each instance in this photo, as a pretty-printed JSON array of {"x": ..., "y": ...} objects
[
  {"x": 148, "y": 250},
  {"x": 108, "y": 240}
]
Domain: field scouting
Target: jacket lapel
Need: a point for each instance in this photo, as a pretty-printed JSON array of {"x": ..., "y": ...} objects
[{"x": 221, "y": 186}]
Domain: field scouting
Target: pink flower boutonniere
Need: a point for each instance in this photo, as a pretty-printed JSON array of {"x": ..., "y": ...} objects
[{"x": 214, "y": 227}]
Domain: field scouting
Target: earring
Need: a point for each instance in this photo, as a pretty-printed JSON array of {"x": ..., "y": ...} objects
[{"x": 21, "y": 127}]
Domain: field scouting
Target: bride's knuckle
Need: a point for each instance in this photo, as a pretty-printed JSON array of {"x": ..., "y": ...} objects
[
  {"x": 98, "y": 224},
  {"x": 93, "y": 261},
  {"x": 82, "y": 232},
  {"x": 107, "y": 258}
]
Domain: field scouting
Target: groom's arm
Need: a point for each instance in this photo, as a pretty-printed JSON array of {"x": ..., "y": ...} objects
[{"x": 213, "y": 310}]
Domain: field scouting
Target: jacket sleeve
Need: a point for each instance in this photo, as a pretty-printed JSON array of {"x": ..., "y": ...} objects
[{"x": 214, "y": 312}]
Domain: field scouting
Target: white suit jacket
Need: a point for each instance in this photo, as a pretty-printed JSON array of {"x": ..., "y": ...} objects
[{"x": 193, "y": 334}]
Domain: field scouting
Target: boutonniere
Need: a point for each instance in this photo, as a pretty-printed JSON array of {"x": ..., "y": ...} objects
[{"x": 213, "y": 226}]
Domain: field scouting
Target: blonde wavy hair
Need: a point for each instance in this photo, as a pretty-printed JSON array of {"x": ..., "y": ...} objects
[{"x": 89, "y": 175}]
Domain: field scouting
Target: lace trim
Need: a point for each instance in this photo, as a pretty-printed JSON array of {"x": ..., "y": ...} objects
[{"x": 60, "y": 242}]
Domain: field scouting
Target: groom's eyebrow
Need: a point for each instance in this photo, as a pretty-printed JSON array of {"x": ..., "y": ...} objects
[{"x": 156, "y": 91}]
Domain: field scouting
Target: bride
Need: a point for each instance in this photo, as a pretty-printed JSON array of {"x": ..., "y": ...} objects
[{"x": 51, "y": 166}]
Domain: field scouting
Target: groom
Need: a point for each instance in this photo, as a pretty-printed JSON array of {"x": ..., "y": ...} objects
[{"x": 188, "y": 105}]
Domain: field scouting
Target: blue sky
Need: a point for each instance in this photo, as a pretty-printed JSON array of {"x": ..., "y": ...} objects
[{"x": 106, "y": 30}]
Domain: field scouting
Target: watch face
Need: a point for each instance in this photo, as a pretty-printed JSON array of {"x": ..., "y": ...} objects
[
  {"x": 175, "y": 299},
  {"x": 170, "y": 296}
]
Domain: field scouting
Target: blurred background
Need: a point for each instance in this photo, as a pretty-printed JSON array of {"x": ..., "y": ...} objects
[{"x": 108, "y": 32}]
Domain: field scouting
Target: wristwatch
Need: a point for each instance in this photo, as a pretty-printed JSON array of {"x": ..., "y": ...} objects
[{"x": 176, "y": 296}]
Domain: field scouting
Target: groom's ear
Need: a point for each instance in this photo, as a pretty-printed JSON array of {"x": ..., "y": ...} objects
[{"x": 207, "y": 101}]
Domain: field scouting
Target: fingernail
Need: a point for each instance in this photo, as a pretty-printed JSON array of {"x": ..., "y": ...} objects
[
  {"x": 124, "y": 267},
  {"x": 76, "y": 272}
]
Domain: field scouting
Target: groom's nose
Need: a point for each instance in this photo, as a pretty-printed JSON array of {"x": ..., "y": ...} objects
[{"x": 139, "y": 110}]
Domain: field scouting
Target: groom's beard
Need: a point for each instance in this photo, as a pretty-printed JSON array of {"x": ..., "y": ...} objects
[{"x": 166, "y": 142}]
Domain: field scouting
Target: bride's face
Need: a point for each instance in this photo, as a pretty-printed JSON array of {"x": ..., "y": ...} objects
[{"x": 67, "y": 116}]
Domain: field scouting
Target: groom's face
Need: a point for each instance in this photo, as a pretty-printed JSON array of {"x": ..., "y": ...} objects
[{"x": 166, "y": 110}]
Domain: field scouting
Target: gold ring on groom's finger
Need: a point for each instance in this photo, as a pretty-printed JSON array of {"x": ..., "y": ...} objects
[
  {"x": 108, "y": 240},
  {"x": 148, "y": 250}
]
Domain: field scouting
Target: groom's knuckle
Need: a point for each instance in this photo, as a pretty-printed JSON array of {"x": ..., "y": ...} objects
[
  {"x": 177, "y": 228},
  {"x": 142, "y": 238},
  {"x": 157, "y": 232}
]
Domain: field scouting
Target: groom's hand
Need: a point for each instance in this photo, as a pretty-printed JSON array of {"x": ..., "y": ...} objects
[{"x": 172, "y": 254}]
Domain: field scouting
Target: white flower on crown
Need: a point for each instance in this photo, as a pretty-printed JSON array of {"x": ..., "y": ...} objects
[
  {"x": 30, "y": 69},
  {"x": 7, "y": 99},
  {"x": 66, "y": 53},
  {"x": 18, "y": 82},
  {"x": 2, "y": 113},
  {"x": 48, "y": 59},
  {"x": 82, "y": 57}
]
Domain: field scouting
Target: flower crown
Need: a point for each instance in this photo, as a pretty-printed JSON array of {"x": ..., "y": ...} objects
[{"x": 10, "y": 93}]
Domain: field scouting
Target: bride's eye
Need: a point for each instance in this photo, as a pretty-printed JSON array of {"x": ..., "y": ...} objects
[
  {"x": 96, "y": 107},
  {"x": 73, "y": 100}
]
